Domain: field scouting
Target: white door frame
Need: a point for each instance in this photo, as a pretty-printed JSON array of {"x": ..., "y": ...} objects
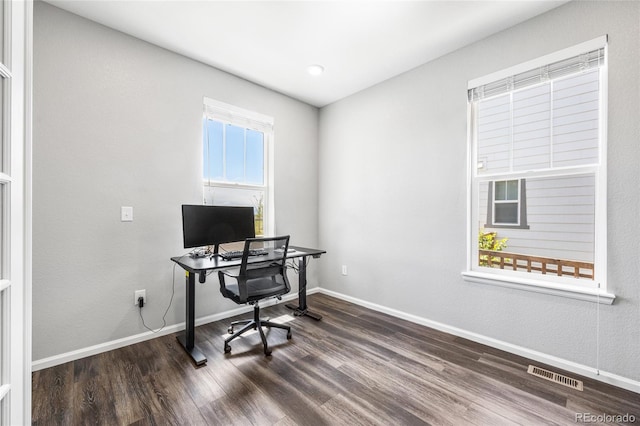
[{"x": 16, "y": 111}]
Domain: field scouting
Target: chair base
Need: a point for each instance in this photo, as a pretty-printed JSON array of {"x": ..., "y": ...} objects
[{"x": 252, "y": 324}]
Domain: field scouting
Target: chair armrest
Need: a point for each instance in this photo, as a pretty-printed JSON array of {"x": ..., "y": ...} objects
[{"x": 228, "y": 273}]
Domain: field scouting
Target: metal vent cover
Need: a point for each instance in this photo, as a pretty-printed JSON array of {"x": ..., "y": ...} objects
[{"x": 555, "y": 377}]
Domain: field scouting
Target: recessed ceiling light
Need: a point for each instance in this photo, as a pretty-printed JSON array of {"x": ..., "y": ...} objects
[{"x": 315, "y": 69}]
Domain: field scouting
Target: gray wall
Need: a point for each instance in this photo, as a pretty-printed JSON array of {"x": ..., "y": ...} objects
[
  {"x": 393, "y": 195},
  {"x": 117, "y": 122}
]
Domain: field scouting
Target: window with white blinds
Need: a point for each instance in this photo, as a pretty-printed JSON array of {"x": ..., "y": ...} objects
[
  {"x": 237, "y": 152},
  {"x": 542, "y": 123}
]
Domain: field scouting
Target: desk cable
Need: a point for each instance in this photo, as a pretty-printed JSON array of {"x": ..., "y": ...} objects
[
  {"x": 296, "y": 268},
  {"x": 173, "y": 292}
]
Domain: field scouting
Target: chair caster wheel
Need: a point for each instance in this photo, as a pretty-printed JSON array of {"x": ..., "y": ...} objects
[
  {"x": 289, "y": 335},
  {"x": 230, "y": 330},
  {"x": 227, "y": 349},
  {"x": 267, "y": 353}
]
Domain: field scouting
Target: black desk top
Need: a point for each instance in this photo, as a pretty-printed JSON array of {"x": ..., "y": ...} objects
[{"x": 207, "y": 263}]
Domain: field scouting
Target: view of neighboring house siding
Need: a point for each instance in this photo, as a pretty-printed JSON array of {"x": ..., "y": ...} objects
[
  {"x": 541, "y": 127},
  {"x": 560, "y": 215}
]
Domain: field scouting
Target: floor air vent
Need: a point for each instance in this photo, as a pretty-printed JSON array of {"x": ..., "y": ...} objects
[{"x": 555, "y": 377}]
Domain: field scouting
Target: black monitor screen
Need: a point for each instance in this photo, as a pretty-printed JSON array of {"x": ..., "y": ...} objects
[{"x": 210, "y": 225}]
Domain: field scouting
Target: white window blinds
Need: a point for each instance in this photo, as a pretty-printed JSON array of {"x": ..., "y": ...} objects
[
  {"x": 237, "y": 116},
  {"x": 542, "y": 74}
]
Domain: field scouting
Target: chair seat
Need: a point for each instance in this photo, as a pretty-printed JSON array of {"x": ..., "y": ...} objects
[{"x": 259, "y": 288}]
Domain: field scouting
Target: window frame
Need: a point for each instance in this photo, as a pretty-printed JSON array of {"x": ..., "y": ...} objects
[
  {"x": 561, "y": 286},
  {"x": 246, "y": 119}
]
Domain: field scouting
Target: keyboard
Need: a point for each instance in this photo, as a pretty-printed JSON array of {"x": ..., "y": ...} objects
[{"x": 237, "y": 254}]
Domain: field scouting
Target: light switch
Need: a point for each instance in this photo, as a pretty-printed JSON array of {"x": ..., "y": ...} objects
[{"x": 126, "y": 214}]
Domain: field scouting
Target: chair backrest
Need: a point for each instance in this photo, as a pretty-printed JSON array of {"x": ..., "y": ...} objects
[
  {"x": 276, "y": 254},
  {"x": 268, "y": 269}
]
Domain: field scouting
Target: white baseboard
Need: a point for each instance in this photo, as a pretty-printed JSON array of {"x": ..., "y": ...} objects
[
  {"x": 148, "y": 335},
  {"x": 583, "y": 370}
]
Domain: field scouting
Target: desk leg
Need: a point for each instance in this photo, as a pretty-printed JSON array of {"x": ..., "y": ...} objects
[
  {"x": 301, "y": 309},
  {"x": 187, "y": 339}
]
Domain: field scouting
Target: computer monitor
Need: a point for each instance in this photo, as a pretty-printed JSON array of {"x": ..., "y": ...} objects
[{"x": 211, "y": 225}]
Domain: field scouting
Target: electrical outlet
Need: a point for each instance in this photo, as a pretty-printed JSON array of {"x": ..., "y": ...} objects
[
  {"x": 344, "y": 269},
  {"x": 138, "y": 294}
]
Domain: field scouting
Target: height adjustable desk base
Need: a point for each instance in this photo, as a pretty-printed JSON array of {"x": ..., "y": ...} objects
[
  {"x": 187, "y": 339},
  {"x": 203, "y": 264},
  {"x": 195, "y": 354},
  {"x": 299, "y": 312},
  {"x": 301, "y": 309}
]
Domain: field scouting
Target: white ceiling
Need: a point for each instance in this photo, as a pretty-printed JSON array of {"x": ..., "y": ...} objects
[{"x": 360, "y": 43}]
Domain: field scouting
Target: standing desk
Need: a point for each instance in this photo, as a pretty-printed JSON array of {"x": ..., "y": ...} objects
[{"x": 202, "y": 265}]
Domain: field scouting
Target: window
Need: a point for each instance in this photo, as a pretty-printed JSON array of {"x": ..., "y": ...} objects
[
  {"x": 507, "y": 205},
  {"x": 537, "y": 174},
  {"x": 505, "y": 202},
  {"x": 236, "y": 156}
]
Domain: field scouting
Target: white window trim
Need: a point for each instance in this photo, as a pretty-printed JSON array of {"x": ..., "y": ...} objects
[
  {"x": 571, "y": 291},
  {"x": 232, "y": 114},
  {"x": 557, "y": 286}
]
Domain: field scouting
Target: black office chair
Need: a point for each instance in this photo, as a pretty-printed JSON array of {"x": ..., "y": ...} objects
[{"x": 259, "y": 277}]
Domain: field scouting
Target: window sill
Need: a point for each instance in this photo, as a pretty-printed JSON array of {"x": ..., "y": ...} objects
[
  {"x": 587, "y": 294},
  {"x": 499, "y": 226}
]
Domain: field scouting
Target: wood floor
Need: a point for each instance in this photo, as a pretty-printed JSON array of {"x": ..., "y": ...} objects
[{"x": 355, "y": 367}]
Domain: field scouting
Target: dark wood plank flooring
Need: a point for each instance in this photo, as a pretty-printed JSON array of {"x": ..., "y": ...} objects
[{"x": 355, "y": 367}]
